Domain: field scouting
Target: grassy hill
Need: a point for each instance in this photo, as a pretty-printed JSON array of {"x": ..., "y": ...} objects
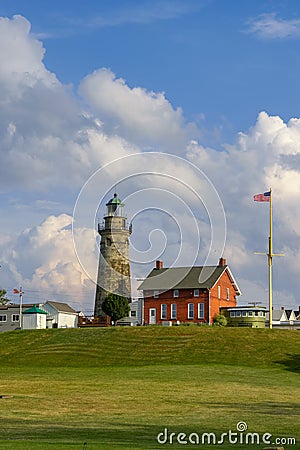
[
  {"x": 150, "y": 345},
  {"x": 119, "y": 387}
]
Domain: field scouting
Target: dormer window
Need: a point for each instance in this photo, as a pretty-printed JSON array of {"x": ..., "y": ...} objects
[{"x": 176, "y": 293}]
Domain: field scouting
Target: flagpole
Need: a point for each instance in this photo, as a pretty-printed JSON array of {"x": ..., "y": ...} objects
[
  {"x": 270, "y": 255},
  {"x": 21, "y": 295}
]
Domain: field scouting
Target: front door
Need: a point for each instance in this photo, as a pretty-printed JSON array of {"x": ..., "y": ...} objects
[{"x": 152, "y": 316}]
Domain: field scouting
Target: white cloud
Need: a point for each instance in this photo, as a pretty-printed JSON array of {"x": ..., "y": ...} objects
[
  {"x": 144, "y": 118},
  {"x": 42, "y": 259},
  {"x": 269, "y": 26},
  {"x": 21, "y": 55}
]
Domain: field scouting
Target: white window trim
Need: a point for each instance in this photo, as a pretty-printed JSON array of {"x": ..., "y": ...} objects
[
  {"x": 196, "y": 295},
  {"x": 172, "y": 315},
  {"x": 161, "y": 311},
  {"x": 176, "y": 293},
  {"x": 199, "y": 315},
  {"x": 156, "y": 294},
  {"x": 191, "y": 317},
  {"x": 219, "y": 291},
  {"x": 3, "y": 315},
  {"x": 15, "y": 320},
  {"x": 227, "y": 294}
]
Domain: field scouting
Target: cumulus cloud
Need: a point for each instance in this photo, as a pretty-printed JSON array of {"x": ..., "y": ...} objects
[
  {"x": 43, "y": 260},
  {"x": 143, "y": 117},
  {"x": 44, "y": 133}
]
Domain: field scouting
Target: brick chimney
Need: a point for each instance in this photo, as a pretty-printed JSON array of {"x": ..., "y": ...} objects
[
  {"x": 222, "y": 262},
  {"x": 159, "y": 265}
]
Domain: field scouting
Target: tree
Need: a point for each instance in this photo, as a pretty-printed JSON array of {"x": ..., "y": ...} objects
[
  {"x": 220, "y": 320},
  {"x": 116, "y": 307},
  {"x": 3, "y": 299}
]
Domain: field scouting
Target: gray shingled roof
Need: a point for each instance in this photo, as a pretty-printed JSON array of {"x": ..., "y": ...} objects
[
  {"x": 61, "y": 307},
  {"x": 201, "y": 277}
]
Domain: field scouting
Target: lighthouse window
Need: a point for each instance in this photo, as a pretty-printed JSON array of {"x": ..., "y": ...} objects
[{"x": 123, "y": 222}]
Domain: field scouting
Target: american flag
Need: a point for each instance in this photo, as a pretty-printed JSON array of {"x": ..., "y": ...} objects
[{"x": 262, "y": 197}]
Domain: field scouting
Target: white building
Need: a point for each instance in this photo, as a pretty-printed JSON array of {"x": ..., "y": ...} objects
[
  {"x": 34, "y": 318},
  {"x": 60, "y": 315}
]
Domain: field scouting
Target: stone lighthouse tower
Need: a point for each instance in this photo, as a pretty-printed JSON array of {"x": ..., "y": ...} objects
[{"x": 114, "y": 266}]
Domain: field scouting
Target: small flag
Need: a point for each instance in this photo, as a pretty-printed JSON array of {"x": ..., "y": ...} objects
[
  {"x": 262, "y": 197},
  {"x": 17, "y": 292}
]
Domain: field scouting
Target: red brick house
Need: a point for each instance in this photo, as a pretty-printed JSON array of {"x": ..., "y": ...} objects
[{"x": 188, "y": 294}]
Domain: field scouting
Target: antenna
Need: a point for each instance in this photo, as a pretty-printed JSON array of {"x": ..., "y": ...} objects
[{"x": 254, "y": 303}]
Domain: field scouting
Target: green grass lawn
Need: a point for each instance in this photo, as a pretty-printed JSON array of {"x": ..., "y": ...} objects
[{"x": 118, "y": 388}]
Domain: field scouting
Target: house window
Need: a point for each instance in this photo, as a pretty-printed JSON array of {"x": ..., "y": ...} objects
[
  {"x": 200, "y": 310},
  {"x": 163, "y": 311},
  {"x": 3, "y": 318},
  {"x": 227, "y": 293},
  {"x": 244, "y": 313},
  {"x": 196, "y": 292},
  {"x": 156, "y": 294},
  {"x": 173, "y": 311},
  {"x": 250, "y": 313},
  {"x": 219, "y": 291},
  {"x": 190, "y": 310},
  {"x": 15, "y": 318},
  {"x": 232, "y": 313},
  {"x": 132, "y": 313},
  {"x": 238, "y": 314},
  {"x": 256, "y": 313},
  {"x": 176, "y": 293}
]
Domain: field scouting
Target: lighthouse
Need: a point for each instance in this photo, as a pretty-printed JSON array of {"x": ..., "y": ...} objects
[{"x": 114, "y": 266}]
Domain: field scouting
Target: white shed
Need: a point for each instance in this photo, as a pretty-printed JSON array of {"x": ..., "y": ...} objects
[
  {"x": 34, "y": 318},
  {"x": 60, "y": 315}
]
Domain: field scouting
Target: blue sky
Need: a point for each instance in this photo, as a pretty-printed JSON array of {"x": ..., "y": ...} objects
[{"x": 213, "y": 82}]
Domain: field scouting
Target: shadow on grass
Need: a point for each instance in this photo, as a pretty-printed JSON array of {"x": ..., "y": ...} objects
[
  {"x": 291, "y": 363},
  {"x": 109, "y": 437}
]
